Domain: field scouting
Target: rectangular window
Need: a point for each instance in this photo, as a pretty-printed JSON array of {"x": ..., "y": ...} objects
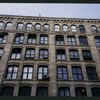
[
  {"x": 43, "y": 39},
  {"x": 16, "y": 53},
  {"x": 83, "y": 41},
  {"x": 87, "y": 55},
  {"x": 43, "y": 54},
  {"x": 73, "y": 55},
  {"x": 31, "y": 39},
  {"x": 30, "y": 53},
  {"x": 71, "y": 40},
  {"x": 91, "y": 72},
  {"x": 77, "y": 73},
  {"x": 62, "y": 73},
  {"x": 3, "y": 38},
  {"x": 27, "y": 72}
]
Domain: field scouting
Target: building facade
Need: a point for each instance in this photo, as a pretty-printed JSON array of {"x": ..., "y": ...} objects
[{"x": 47, "y": 56}]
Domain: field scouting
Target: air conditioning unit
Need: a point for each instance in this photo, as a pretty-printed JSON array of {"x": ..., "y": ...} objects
[{"x": 45, "y": 77}]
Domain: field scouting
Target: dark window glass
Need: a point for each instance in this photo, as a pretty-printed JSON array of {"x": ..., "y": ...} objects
[
  {"x": 59, "y": 40},
  {"x": 19, "y": 39},
  {"x": 16, "y": 53},
  {"x": 91, "y": 72},
  {"x": 42, "y": 71},
  {"x": 27, "y": 72},
  {"x": 60, "y": 54},
  {"x": 71, "y": 40},
  {"x": 42, "y": 91},
  {"x": 63, "y": 91},
  {"x": 3, "y": 38},
  {"x": 24, "y": 91},
  {"x": 80, "y": 91},
  {"x": 83, "y": 40},
  {"x": 11, "y": 72},
  {"x": 62, "y": 73},
  {"x": 7, "y": 91},
  {"x": 31, "y": 39},
  {"x": 97, "y": 40},
  {"x": 95, "y": 91},
  {"x": 77, "y": 73},
  {"x": 73, "y": 54},
  {"x": 86, "y": 55},
  {"x": 43, "y": 39},
  {"x": 82, "y": 28},
  {"x": 30, "y": 53},
  {"x": 43, "y": 54}
]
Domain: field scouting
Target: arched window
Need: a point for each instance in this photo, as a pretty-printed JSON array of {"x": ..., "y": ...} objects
[
  {"x": 29, "y": 27},
  {"x": 42, "y": 91},
  {"x": 82, "y": 28},
  {"x": 7, "y": 91},
  {"x": 65, "y": 28},
  {"x": 59, "y": 39},
  {"x": 73, "y": 28},
  {"x": 24, "y": 91},
  {"x": 62, "y": 73},
  {"x": 57, "y": 28},
  {"x": 46, "y": 27},
  {"x": 94, "y": 28},
  {"x": 1, "y": 25},
  {"x": 9, "y": 25},
  {"x": 20, "y": 26},
  {"x": 95, "y": 91},
  {"x": 63, "y": 91},
  {"x": 60, "y": 54},
  {"x": 37, "y": 26},
  {"x": 80, "y": 91}
]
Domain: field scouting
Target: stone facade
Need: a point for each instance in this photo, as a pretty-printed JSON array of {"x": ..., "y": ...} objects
[{"x": 53, "y": 83}]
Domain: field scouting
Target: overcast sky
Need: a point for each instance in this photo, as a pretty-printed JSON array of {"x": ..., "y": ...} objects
[{"x": 52, "y": 10}]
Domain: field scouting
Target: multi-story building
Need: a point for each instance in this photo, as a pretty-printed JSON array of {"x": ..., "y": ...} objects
[{"x": 47, "y": 56}]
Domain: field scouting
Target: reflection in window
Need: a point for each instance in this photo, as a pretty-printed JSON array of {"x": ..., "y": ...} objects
[
  {"x": 95, "y": 91},
  {"x": 37, "y": 26},
  {"x": 43, "y": 39},
  {"x": 31, "y": 39},
  {"x": 27, "y": 72},
  {"x": 29, "y": 27},
  {"x": 9, "y": 25},
  {"x": 94, "y": 28},
  {"x": 1, "y": 25},
  {"x": 16, "y": 53},
  {"x": 65, "y": 28},
  {"x": 77, "y": 73},
  {"x": 62, "y": 73},
  {"x": 3, "y": 38},
  {"x": 97, "y": 40},
  {"x": 43, "y": 54},
  {"x": 71, "y": 40},
  {"x": 59, "y": 40},
  {"x": 83, "y": 40},
  {"x": 1, "y": 52},
  {"x": 11, "y": 72},
  {"x": 20, "y": 26},
  {"x": 46, "y": 27},
  {"x": 82, "y": 28},
  {"x": 42, "y": 70},
  {"x": 19, "y": 38},
  {"x": 73, "y": 28}
]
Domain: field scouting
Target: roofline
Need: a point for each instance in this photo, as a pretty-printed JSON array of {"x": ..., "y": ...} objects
[{"x": 49, "y": 17}]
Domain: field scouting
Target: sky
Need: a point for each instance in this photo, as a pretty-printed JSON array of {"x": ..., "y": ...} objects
[{"x": 64, "y": 10}]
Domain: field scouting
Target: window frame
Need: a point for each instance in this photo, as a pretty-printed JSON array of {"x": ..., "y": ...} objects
[
  {"x": 82, "y": 29},
  {"x": 59, "y": 39},
  {"x": 71, "y": 40},
  {"x": 43, "y": 54},
  {"x": 83, "y": 40},
  {"x": 44, "y": 39}
]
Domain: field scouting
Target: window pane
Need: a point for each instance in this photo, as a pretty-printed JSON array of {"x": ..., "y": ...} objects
[
  {"x": 29, "y": 76},
  {"x": 24, "y": 76}
]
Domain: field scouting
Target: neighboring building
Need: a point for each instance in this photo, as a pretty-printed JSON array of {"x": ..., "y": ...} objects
[{"x": 47, "y": 56}]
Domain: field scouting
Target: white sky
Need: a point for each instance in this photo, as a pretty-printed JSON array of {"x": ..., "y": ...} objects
[{"x": 51, "y": 10}]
